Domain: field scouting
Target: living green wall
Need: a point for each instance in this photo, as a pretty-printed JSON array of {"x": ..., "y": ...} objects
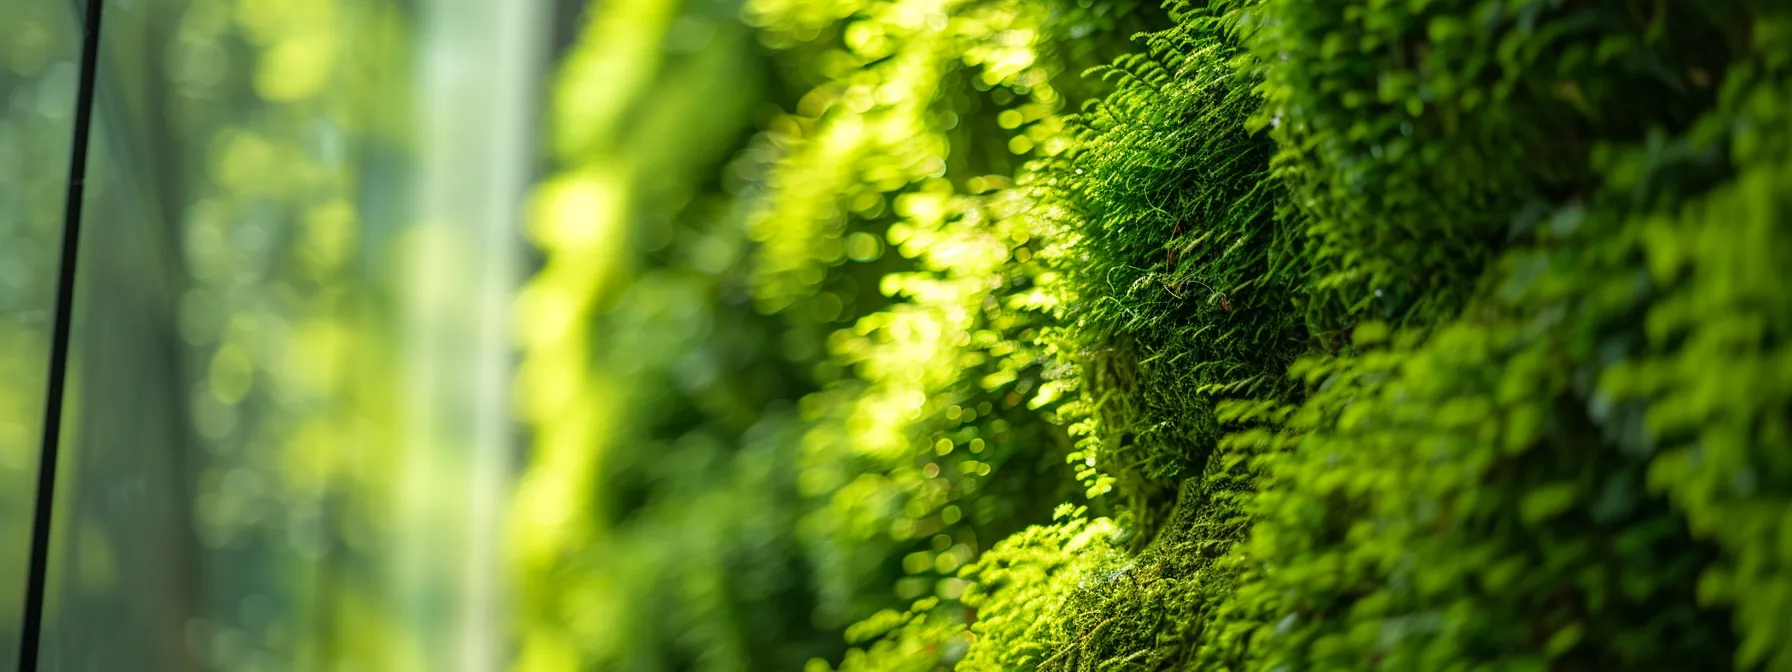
[{"x": 1287, "y": 334}]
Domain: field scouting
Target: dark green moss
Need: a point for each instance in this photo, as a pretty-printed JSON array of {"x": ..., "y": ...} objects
[
  {"x": 1418, "y": 138},
  {"x": 1184, "y": 282}
]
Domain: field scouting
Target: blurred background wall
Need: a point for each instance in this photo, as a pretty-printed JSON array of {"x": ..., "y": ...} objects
[{"x": 289, "y": 439}]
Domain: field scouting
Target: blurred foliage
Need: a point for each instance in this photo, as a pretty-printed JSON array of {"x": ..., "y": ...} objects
[
  {"x": 826, "y": 319},
  {"x": 37, "y": 94},
  {"x": 272, "y": 307},
  {"x": 651, "y": 529},
  {"x": 236, "y": 490}
]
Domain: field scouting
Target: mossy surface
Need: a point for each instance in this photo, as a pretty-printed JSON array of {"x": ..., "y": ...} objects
[
  {"x": 1491, "y": 378},
  {"x": 1397, "y": 335}
]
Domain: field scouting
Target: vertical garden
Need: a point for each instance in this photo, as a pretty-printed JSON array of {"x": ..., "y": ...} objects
[
  {"x": 896, "y": 335},
  {"x": 1102, "y": 335}
]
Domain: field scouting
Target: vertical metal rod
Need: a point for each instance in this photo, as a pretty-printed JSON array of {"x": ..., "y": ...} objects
[{"x": 59, "y": 342}]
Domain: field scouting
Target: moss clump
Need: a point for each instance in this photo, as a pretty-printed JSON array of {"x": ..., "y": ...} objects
[{"x": 1180, "y": 281}]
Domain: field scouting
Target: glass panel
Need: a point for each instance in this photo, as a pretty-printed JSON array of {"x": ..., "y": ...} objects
[
  {"x": 289, "y": 433},
  {"x": 40, "y": 46}
]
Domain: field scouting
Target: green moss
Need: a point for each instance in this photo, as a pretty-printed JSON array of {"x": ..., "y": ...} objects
[
  {"x": 1566, "y": 450},
  {"x": 1454, "y": 503},
  {"x": 1029, "y": 592},
  {"x": 1161, "y": 609},
  {"x": 1181, "y": 282},
  {"x": 1420, "y": 137}
]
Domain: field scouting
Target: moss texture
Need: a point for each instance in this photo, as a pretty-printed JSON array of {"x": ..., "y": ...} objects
[
  {"x": 1375, "y": 334},
  {"x": 1422, "y": 336}
]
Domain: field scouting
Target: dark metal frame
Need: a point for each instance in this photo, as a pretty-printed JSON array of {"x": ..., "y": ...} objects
[{"x": 43, "y": 508}]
